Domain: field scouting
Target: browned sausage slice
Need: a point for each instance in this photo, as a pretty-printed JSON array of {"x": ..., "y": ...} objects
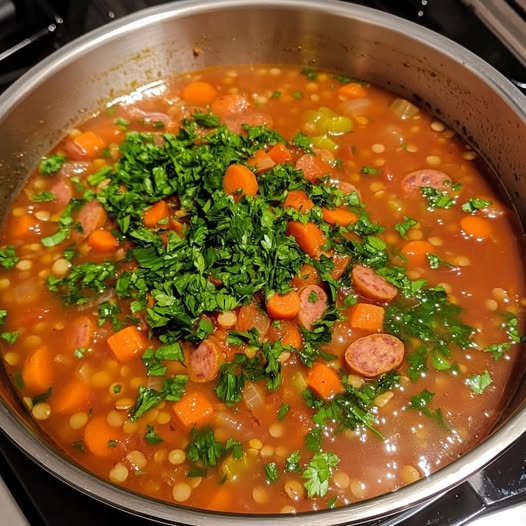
[
  {"x": 313, "y": 303},
  {"x": 370, "y": 285},
  {"x": 374, "y": 355},
  {"x": 426, "y": 178},
  {"x": 205, "y": 362},
  {"x": 91, "y": 216},
  {"x": 80, "y": 333}
]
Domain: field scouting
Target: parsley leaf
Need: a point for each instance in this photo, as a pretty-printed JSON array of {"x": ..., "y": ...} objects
[
  {"x": 479, "y": 382},
  {"x": 292, "y": 462},
  {"x": 406, "y": 224},
  {"x": 271, "y": 470},
  {"x": 436, "y": 198},
  {"x": 474, "y": 204},
  {"x": 203, "y": 448},
  {"x": 318, "y": 473},
  {"x": 283, "y": 410},
  {"x": 309, "y": 73},
  {"x": 52, "y": 164},
  {"x": 151, "y": 436},
  {"x": 43, "y": 197},
  {"x": 421, "y": 401},
  {"x": 8, "y": 257}
]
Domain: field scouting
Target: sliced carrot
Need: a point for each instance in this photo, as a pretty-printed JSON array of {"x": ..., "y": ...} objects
[
  {"x": 193, "y": 409},
  {"x": 252, "y": 317},
  {"x": 341, "y": 261},
  {"x": 339, "y": 216},
  {"x": 324, "y": 381},
  {"x": 102, "y": 241},
  {"x": 37, "y": 372},
  {"x": 221, "y": 499},
  {"x": 299, "y": 200},
  {"x": 287, "y": 332},
  {"x": 89, "y": 143},
  {"x": 283, "y": 306},
  {"x": 307, "y": 275},
  {"x": 199, "y": 93},
  {"x": 229, "y": 104},
  {"x": 309, "y": 237},
  {"x": 415, "y": 252},
  {"x": 156, "y": 213},
  {"x": 366, "y": 317},
  {"x": 176, "y": 226},
  {"x": 127, "y": 343},
  {"x": 474, "y": 226},
  {"x": 279, "y": 153},
  {"x": 239, "y": 180},
  {"x": 22, "y": 227},
  {"x": 73, "y": 396},
  {"x": 261, "y": 161},
  {"x": 353, "y": 90},
  {"x": 99, "y": 436},
  {"x": 313, "y": 167}
]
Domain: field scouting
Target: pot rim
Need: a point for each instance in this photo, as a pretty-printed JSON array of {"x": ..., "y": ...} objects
[{"x": 383, "y": 505}]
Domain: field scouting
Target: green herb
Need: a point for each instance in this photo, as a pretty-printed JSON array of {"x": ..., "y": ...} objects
[
  {"x": 158, "y": 124},
  {"x": 512, "y": 329},
  {"x": 292, "y": 462},
  {"x": 113, "y": 443},
  {"x": 117, "y": 388},
  {"x": 479, "y": 382},
  {"x": 43, "y": 197},
  {"x": 206, "y": 120},
  {"x": 283, "y": 411},
  {"x": 203, "y": 448},
  {"x": 52, "y": 164},
  {"x": 109, "y": 310},
  {"x": 309, "y": 73},
  {"x": 436, "y": 198},
  {"x": 318, "y": 473},
  {"x": 435, "y": 261},
  {"x": 123, "y": 124},
  {"x": 271, "y": 470},
  {"x": 99, "y": 175},
  {"x": 406, "y": 224},
  {"x": 331, "y": 503},
  {"x": 297, "y": 95},
  {"x": 498, "y": 349},
  {"x": 302, "y": 141},
  {"x": 65, "y": 225},
  {"x": 313, "y": 297},
  {"x": 151, "y": 436},
  {"x": 80, "y": 352},
  {"x": 3, "y": 316},
  {"x": 475, "y": 204},
  {"x": 42, "y": 397},
  {"x": 153, "y": 359},
  {"x": 173, "y": 390},
  {"x": 235, "y": 447},
  {"x": 10, "y": 337},
  {"x": 369, "y": 170},
  {"x": 344, "y": 79},
  {"x": 276, "y": 95},
  {"x": 79, "y": 445},
  {"x": 8, "y": 257},
  {"x": 421, "y": 401}
]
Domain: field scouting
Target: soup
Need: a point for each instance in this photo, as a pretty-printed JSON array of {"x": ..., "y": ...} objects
[{"x": 259, "y": 290}]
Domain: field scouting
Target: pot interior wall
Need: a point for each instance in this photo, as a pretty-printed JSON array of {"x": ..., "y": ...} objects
[{"x": 65, "y": 90}]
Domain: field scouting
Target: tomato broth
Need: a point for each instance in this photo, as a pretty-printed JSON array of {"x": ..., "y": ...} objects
[{"x": 261, "y": 289}]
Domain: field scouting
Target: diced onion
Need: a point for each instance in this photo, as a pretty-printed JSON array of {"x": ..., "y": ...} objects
[
  {"x": 354, "y": 107},
  {"x": 253, "y": 397},
  {"x": 404, "y": 109}
]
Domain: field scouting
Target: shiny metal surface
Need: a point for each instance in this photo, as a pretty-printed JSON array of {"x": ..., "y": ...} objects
[{"x": 463, "y": 91}]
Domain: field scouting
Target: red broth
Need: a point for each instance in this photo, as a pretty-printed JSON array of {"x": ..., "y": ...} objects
[{"x": 261, "y": 289}]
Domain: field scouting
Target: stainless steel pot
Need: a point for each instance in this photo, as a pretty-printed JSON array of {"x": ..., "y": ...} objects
[{"x": 463, "y": 91}]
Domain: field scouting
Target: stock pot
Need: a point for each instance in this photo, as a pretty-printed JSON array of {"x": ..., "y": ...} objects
[{"x": 459, "y": 88}]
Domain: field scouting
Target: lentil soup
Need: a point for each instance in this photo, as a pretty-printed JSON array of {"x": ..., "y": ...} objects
[{"x": 261, "y": 289}]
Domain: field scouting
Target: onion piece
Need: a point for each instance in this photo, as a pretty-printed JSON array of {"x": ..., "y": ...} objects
[
  {"x": 404, "y": 109},
  {"x": 354, "y": 107}
]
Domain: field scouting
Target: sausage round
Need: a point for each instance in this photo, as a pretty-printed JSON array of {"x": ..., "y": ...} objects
[
  {"x": 313, "y": 303},
  {"x": 370, "y": 285},
  {"x": 375, "y": 354},
  {"x": 423, "y": 178},
  {"x": 91, "y": 216},
  {"x": 205, "y": 362}
]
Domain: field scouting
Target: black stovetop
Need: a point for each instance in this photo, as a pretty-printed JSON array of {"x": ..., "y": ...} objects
[{"x": 31, "y": 30}]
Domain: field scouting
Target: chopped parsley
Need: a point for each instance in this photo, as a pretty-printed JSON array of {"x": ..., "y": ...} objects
[
  {"x": 52, "y": 164},
  {"x": 318, "y": 473},
  {"x": 203, "y": 448},
  {"x": 283, "y": 410},
  {"x": 474, "y": 204},
  {"x": 292, "y": 462},
  {"x": 271, "y": 470},
  {"x": 10, "y": 337},
  {"x": 151, "y": 436},
  {"x": 421, "y": 401},
  {"x": 435, "y": 261},
  {"x": 43, "y": 197},
  {"x": 369, "y": 170},
  {"x": 8, "y": 257},
  {"x": 437, "y": 198},
  {"x": 403, "y": 227},
  {"x": 309, "y": 73},
  {"x": 479, "y": 382}
]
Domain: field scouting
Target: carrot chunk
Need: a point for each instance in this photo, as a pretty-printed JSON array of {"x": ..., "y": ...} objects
[
  {"x": 307, "y": 275},
  {"x": 299, "y": 200},
  {"x": 478, "y": 227},
  {"x": 324, "y": 381},
  {"x": 308, "y": 236},
  {"x": 283, "y": 306},
  {"x": 366, "y": 317},
  {"x": 199, "y": 93},
  {"x": 239, "y": 180},
  {"x": 339, "y": 216},
  {"x": 279, "y": 153},
  {"x": 353, "y": 90},
  {"x": 22, "y": 227},
  {"x": 99, "y": 436},
  {"x": 102, "y": 241},
  {"x": 127, "y": 343},
  {"x": 89, "y": 143},
  {"x": 415, "y": 252},
  {"x": 288, "y": 333},
  {"x": 313, "y": 166},
  {"x": 193, "y": 409},
  {"x": 261, "y": 161},
  {"x": 74, "y": 396},
  {"x": 156, "y": 213},
  {"x": 37, "y": 371}
]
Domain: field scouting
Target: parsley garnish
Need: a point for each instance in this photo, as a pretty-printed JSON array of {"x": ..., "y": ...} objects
[
  {"x": 8, "y": 257},
  {"x": 474, "y": 204},
  {"x": 369, "y": 170},
  {"x": 406, "y": 224},
  {"x": 318, "y": 473},
  {"x": 203, "y": 448},
  {"x": 436, "y": 198},
  {"x": 309, "y": 73},
  {"x": 271, "y": 470},
  {"x": 435, "y": 261},
  {"x": 421, "y": 401},
  {"x": 42, "y": 397},
  {"x": 283, "y": 410},
  {"x": 43, "y": 197},
  {"x": 292, "y": 462},
  {"x": 479, "y": 382},
  {"x": 52, "y": 164},
  {"x": 79, "y": 352},
  {"x": 151, "y": 436}
]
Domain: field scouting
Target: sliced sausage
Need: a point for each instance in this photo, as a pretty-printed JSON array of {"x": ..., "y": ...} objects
[
  {"x": 313, "y": 303},
  {"x": 91, "y": 216},
  {"x": 229, "y": 104},
  {"x": 80, "y": 333},
  {"x": 426, "y": 178},
  {"x": 313, "y": 167},
  {"x": 250, "y": 118},
  {"x": 205, "y": 362},
  {"x": 370, "y": 285},
  {"x": 374, "y": 355},
  {"x": 73, "y": 169},
  {"x": 62, "y": 192}
]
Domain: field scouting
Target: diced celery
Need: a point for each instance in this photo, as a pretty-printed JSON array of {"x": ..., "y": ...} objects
[
  {"x": 299, "y": 382},
  {"x": 233, "y": 467},
  {"x": 322, "y": 141},
  {"x": 338, "y": 125}
]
